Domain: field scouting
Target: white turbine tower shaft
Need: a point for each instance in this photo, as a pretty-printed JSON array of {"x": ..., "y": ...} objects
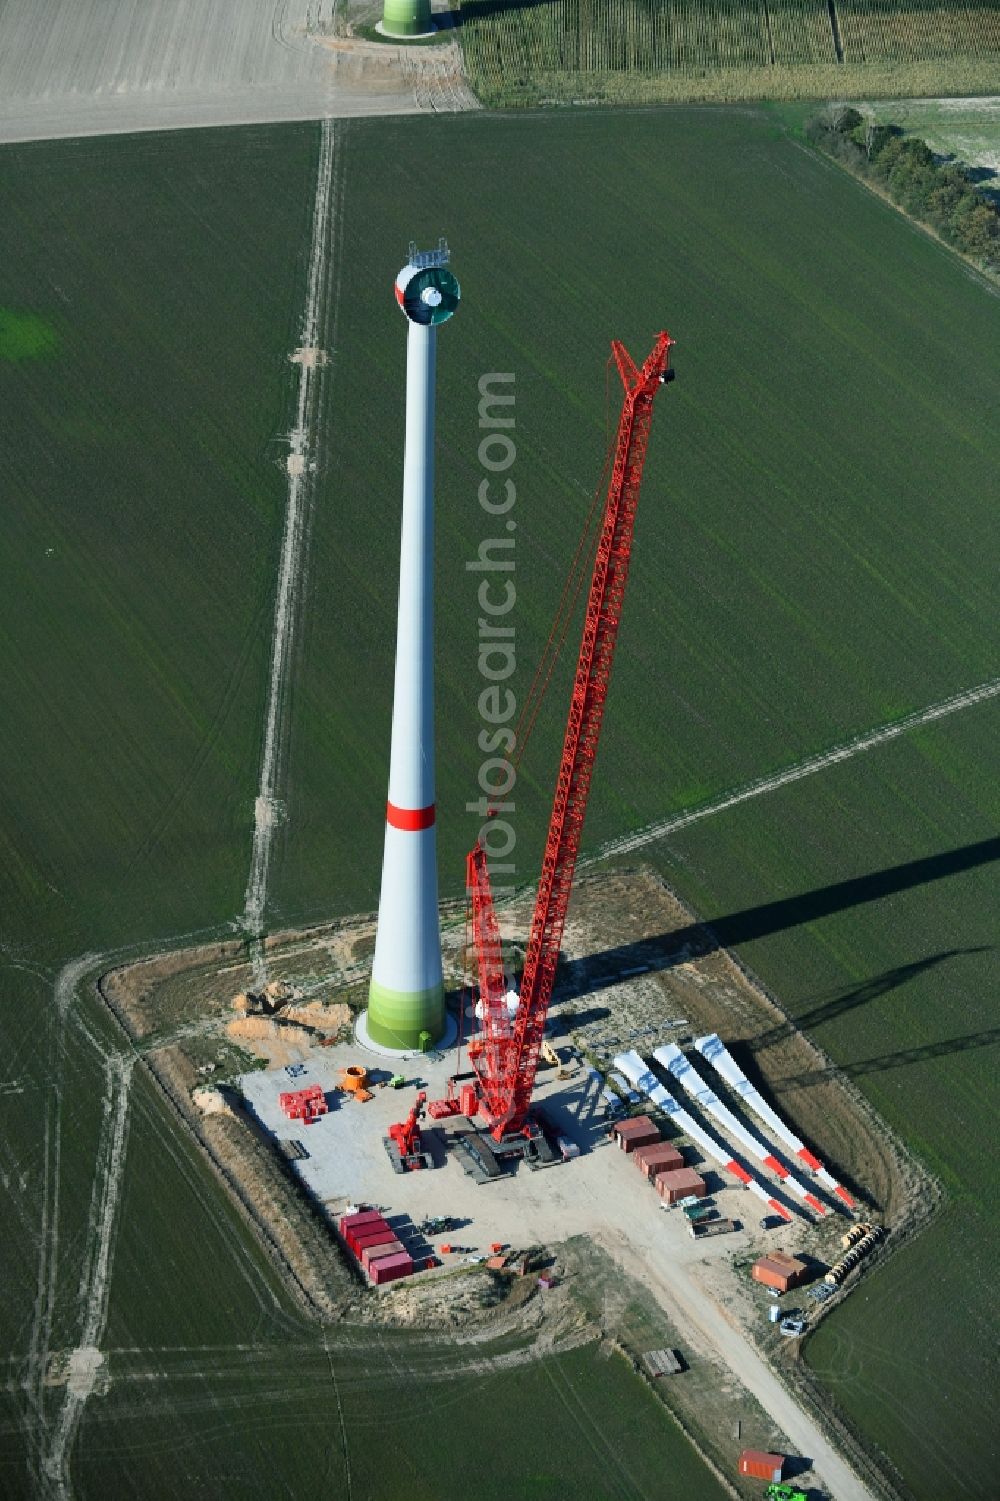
[
  {"x": 411, "y": 762},
  {"x": 406, "y": 999}
]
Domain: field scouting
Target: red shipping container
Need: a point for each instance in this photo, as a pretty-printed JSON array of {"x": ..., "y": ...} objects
[
  {"x": 680, "y": 1184},
  {"x": 373, "y": 1236},
  {"x": 359, "y": 1217},
  {"x": 391, "y": 1267},
  {"x": 357, "y": 1224},
  {"x": 355, "y": 1232},
  {"x": 637, "y": 1132},
  {"x": 760, "y": 1465},
  {"x": 779, "y": 1271},
  {"x": 368, "y": 1233},
  {"x": 356, "y": 1238},
  {"x": 379, "y": 1252},
  {"x": 658, "y": 1157}
]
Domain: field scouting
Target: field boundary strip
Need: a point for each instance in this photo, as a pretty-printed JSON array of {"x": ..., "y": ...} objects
[
  {"x": 869, "y": 740},
  {"x": 300, "y": 467}
]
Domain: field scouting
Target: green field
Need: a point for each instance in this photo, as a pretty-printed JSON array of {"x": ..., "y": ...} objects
[
  {"x": 654, "y": 51},
  {"x": 813, "y": 557},
  {"x": 851, "y": 899},
  {"x": 142, "y": 449},
  {"x": 143, "y": 518},
  {"x": 813, "y": 553},
  {"x": 793, "y": 531},
  {"x": 152, "y": 291},
  {"x": 391, "y": 1424}
]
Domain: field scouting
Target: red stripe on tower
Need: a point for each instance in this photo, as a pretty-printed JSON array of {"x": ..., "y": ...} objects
[
  {"x": 814, "y": 1203},
  {"x": 776, "y": 1167},
  {"x": 809, "y": 1159},
  {"x": 409, "y": 819},
  {"x": 843, "y": 1194},
  {"x": 738, "y": 1172},
  {"x": 779, "y": 1209}
]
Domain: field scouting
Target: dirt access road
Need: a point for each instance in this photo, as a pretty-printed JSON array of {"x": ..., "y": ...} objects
[
  {"x": 97, "y": 67},
  {"x": 671, "y": 1272}
]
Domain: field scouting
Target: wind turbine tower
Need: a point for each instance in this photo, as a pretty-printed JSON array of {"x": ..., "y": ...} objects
[
  {"x": 406, "y": 19},
  {"x": 406, "y": 999}
]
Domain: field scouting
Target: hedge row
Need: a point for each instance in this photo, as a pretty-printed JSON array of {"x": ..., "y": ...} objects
[{"x": 936, "y": 192}]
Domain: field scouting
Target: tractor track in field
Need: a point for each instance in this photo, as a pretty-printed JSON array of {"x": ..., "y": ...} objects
[
  {"x": 86, "y": 1359},
  {"x": 40, "y": 1339},
  {"x": 53, "y": 1438},
  {"x": 301, "y": 466},
  {"x": 858, "y": 745},
  {"x": 69, "y": 1378}
]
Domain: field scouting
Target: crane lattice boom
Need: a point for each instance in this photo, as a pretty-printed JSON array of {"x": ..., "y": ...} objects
[{"x": 505, "y": 1055}]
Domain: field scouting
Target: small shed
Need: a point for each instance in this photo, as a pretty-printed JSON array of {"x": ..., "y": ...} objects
[
  {"x": 760, "y": 1465},
  {"x": 681, "y": 1183},
  {"x": 658, "y": 1157},
  {"x": 779, "y": 1271},
  {"x": 637, "y": 1132}
]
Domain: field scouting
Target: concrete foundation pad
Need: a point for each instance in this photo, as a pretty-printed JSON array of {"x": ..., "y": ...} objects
[{"x": 399, "y": 36}]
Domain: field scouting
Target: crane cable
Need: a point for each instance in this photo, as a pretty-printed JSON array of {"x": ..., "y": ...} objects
[
  {"x": 465, "y": 992},
  {"x": 566, "y": 607}
]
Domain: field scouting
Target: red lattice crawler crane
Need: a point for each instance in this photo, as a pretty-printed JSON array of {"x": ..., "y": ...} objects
[{"x": 504, "y": 1055}]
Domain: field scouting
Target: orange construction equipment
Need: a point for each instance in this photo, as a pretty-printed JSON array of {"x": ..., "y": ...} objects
[{"x": 354, "y": 1081}]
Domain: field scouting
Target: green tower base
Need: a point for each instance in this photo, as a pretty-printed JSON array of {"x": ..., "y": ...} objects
[
  {"x": 407, "y": 18},
  {"x": 401, "y": 1019}
]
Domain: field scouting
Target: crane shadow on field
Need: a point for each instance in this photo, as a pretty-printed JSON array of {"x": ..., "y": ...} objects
[
  {"x": 858, "y": 995},
  {"x": 900, "y": 1059},
  {"x": 598, "y": 971},
  {"x": 481, "y": 10}
]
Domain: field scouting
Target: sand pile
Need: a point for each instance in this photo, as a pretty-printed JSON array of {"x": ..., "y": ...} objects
[
  {"x": 210, "y": 1101},
  {"x": 322, "y": 1015},
  {"x": 266, "y": 1029}
]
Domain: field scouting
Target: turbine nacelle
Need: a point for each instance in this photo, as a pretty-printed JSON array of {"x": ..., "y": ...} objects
[{"x": 426, "y": 290}]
